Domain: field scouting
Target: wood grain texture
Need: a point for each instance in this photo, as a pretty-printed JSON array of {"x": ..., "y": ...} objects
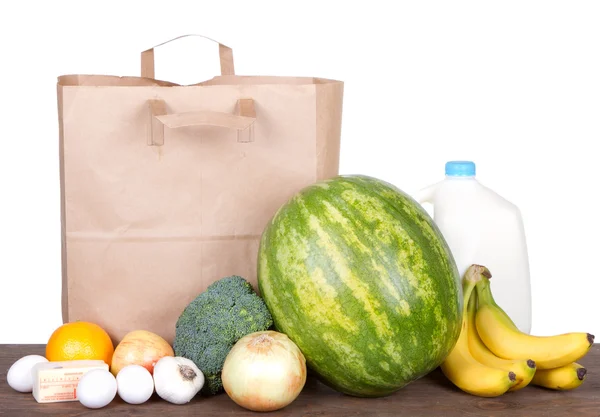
[{"x": 430, "y": 396}]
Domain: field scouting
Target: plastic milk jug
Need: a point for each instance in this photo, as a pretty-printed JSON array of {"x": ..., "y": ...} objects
[{"x": 483, "y": 228}]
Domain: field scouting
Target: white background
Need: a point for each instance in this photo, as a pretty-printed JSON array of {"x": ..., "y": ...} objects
[{"x": 512, "y": 85}]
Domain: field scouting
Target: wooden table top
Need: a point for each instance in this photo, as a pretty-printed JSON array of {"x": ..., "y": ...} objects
[{"x": 432, "y": 395}]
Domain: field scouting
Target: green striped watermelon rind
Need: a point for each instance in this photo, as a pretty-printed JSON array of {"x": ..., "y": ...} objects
[{"x": 360, "y": 239}]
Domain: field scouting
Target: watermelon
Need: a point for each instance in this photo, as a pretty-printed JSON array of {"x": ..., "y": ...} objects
[{"x": 356, "y": 273}]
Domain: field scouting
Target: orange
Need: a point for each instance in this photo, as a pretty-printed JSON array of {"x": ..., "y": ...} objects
[{"x": 79, "y": 340}]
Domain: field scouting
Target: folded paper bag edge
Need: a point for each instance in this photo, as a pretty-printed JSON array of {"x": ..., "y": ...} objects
[{"x": 100, "y": 80}]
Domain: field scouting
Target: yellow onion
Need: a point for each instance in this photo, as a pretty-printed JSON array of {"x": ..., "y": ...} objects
[{"x": 265, "y": 371}]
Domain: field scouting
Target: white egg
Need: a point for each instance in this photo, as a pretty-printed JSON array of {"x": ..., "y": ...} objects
[
  {"x": 96, "y": 388},
  {"x": 19, "y": 375},
  {"x": 135, "y": 384}
]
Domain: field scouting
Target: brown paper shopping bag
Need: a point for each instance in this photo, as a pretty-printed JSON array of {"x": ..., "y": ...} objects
[{"x": 167, "y": 188}]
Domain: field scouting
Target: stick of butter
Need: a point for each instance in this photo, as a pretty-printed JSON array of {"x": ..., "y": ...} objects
[{"x": 57, "y": 381}]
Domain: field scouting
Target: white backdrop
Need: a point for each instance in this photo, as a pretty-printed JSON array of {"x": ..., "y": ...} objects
[{"x": 512, "y": 85}]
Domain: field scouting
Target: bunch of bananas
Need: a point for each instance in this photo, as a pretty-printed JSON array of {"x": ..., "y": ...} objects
[{"x": 492, "y": 356}]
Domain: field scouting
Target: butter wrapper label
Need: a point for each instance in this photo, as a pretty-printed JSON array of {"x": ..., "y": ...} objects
[{"x": 57, "y": 381}]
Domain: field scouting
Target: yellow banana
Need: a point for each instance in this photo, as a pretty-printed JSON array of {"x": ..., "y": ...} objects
[
  {"x": 461, "y": 368},
  {"x": 502, "y": 338},
  {"x": 564, "y": 378},
  {"x": 523, "y": 369}
]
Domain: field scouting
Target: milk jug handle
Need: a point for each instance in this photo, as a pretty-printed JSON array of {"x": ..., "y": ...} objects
[{"x": 425, "y": 195}]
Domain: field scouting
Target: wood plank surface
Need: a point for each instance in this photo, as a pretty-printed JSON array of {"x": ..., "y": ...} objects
[{"x": 431, "y": 396}]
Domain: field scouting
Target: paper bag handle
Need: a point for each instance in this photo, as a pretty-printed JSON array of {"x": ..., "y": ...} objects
[
  {"x": 225, "y": 56},
  {"x": 159, "y": 118}
]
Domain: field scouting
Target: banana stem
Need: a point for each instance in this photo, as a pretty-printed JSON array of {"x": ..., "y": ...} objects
[
  {"x": 468, "y": 288},
  {"x": 472, "y": 307},
  {"x": 484, "y": 292},
  {"x": 473, "y": 275}
]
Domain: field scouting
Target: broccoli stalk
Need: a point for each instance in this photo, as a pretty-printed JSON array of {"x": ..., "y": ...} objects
[{"x": 214, "y": 321}]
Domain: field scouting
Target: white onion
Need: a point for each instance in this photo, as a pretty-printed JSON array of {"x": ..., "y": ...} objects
[{"x": 265, "y": 371}]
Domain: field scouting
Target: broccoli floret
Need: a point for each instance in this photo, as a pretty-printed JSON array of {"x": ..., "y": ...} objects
[{"x": 214, "y": 321}]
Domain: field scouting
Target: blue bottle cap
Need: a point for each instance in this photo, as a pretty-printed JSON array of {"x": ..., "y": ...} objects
[{"x": 460, "y": 169}]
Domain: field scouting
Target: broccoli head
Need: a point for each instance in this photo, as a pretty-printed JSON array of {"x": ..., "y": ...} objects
[{"x": 214, "y": 321}]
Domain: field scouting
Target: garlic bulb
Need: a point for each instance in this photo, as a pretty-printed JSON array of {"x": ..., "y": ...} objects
[{"x": 177, "y": 380}]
